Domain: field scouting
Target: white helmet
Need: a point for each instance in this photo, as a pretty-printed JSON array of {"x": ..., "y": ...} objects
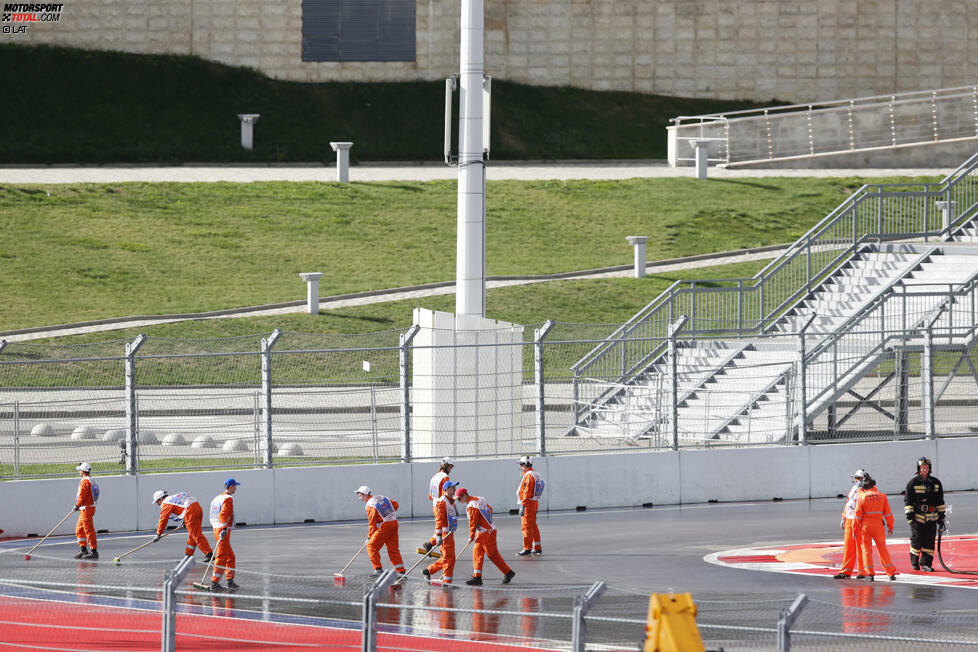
[
  {"x": 364, "y": 489},
  {"x": 158, "y": 494},
  {"x": 447, "y": 460},
  {"x": 859, "y": 474},
  {"x": 84, "y": 466},
  {"x": 527, "y": 460}
]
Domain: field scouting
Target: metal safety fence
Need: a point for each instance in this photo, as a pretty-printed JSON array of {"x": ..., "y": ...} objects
[
  {"x": 59, "y": 604},
  {"x": 858, "y": 124},
  {"x": 904, "y": 367}
]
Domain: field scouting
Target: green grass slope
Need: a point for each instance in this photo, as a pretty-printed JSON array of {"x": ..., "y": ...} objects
[
  {"x": 81, "y": 106},
  {"x": 91, "y": 251}
]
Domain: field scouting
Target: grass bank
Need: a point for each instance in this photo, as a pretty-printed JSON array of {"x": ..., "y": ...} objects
[{"x": 90, "y": 251}]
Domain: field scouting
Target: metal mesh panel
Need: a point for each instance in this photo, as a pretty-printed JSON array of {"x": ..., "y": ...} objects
[
  {"x": 852, "y": 626},
  {"x": 521, "y": 616}
]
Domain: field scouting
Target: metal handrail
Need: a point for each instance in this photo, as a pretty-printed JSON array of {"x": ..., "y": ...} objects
[
  {"x": 863, "y": 101},
  {"x": 819, "y": 238},
  {"x": 871, "y": 312}
]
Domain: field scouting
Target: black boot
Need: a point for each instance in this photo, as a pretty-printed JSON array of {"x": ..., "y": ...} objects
[
  {"x": 93, "y": 554},
  {"x": 216, "y": 587},
  {"x": 81, "y": 553},
  {"x": 926, "y": 562},
  {"x": 208, "y": 557},
  {"x": 507, "y": 578},
  {"x": 475, "y": 581},
  {"x": 525, "y": 552},
  {"x": 233, "y": 586},
  {"x": 914, "y": 561}
]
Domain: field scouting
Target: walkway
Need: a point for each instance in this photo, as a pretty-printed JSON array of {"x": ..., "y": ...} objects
[{"x": 531, "y": 171}]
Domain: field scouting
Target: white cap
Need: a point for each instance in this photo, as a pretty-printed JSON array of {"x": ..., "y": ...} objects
[
  {"x": 859, "y": 474},
  {"x": 364, "y": 489},
  {"x": 84, "y": 466},
  {"x": 447, "y": 460},
  {"x": 526, "y": 459},
  {"x": 159, "y": 493}
]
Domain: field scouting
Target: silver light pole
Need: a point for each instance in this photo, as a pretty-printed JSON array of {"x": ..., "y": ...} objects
[{"x": 470, "y": 274}]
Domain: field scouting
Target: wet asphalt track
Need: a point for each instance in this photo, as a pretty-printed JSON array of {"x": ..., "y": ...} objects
[{"x": 637, "y": 550}]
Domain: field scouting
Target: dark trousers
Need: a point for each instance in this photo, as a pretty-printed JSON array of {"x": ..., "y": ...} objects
[{"x": 922, "y": 537}]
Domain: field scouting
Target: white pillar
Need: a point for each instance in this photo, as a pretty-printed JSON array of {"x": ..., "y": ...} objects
[
  {"x": 312, "y": 291},
  {"x": 702, "y": 148},
  {"x": 638, "y": 241},
  {"x": 247, "y": 122},
  {"x": 470, "y": 270},
  {"x": 342, "y": 161},
  {"x": 947, "y": 209}
]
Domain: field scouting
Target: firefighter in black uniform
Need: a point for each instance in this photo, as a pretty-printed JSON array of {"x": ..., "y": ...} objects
[{"x": 924, "y": 509}]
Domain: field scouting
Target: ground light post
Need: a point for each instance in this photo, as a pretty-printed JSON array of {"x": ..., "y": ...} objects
[{"x": 470, "y": 271}]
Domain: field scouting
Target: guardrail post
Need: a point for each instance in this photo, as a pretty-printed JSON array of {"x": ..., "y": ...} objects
[
  {"x": 802, "y": 382},
  {"x": 638, "y": 242},
  {"x": 132, "y": 443},
  {"x": 947, "y": 208},
  {"x": 368, "y": 623},
  {"x": 266, "y": 396},
  {"x": 404, "y": 369},
  {"x": 16, "y": 440},
  {"x": 702, "y": 149},
  {"x": 172, "y": 580},
  {"x": 901, "y": 407},
  {"x": 583, "y": 604},
  {"x": 927, "y": 373},
  {"x": 538, "y": 370},
  {"x": 786, "y": 618},
  {"x": 673, "y": 380}
]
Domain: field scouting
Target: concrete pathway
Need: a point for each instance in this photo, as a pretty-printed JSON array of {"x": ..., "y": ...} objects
[{"x": 595, "y": 170}]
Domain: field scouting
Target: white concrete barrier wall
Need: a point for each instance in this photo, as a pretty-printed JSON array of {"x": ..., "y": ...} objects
[{"x": 595, "y": 481}]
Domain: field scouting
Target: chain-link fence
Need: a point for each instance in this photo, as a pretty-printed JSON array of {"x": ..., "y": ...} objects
[
  {"x": 902, "y": 368},
  {"x": 152, "y": 605}
]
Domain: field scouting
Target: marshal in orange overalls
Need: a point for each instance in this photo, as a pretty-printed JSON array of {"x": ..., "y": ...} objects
[
  {"x": 183, "y": 506},
  {"x": 483, "y": 533},
  {"x": 382, "y": 531},
  {"x": 446, "y": 521},
  {"x": 872, "y": 509}
]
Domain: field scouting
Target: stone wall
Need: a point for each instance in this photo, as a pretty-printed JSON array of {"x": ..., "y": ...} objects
[{"x": 749, "y": 49}]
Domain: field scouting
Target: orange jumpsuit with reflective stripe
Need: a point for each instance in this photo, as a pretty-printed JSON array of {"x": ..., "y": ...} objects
[
  {"x": 872, "y": 508},
  {"x": 85, "y": 528},
  {"x": 435, "y": 488},
  {"x": 483, "y": 534},
  {"x": 852, "y": 546},
  {"x": 222, "y": 520},
  {"x": 186, "y": 508},
  {"x": 382, "y": 531},
  {"x": 529, "y": 500},
  {"x": 446, "y": 520}
]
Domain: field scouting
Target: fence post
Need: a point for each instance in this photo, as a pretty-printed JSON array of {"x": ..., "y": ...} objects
[
  {"x": 404, "y": 365},
  {"x": 802, "y": 382},
  {"x": 368, "y": 623},
  {"x": 132, "y": 445},
  {"x": 266, "y": 395},
  {"x": 583, "y": 604},
  {"x": 172, "y": 580},
  {"x": 16, "y": 440},
  {"x": 786, "y": 618},
  {"x": 538, "y": 335},
  {"x": 673, "y": 374}
]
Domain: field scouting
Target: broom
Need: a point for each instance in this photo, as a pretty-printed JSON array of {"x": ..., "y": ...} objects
[{"x": 339, "y": 579}]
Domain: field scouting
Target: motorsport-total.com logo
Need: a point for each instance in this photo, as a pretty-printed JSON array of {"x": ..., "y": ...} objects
[{"x": 17, "y": 17}]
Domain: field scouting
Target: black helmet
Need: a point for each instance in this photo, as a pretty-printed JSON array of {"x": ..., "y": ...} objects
[
  {"x": 924, "y": 460},
  {"x": 867, "y": 482}
]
